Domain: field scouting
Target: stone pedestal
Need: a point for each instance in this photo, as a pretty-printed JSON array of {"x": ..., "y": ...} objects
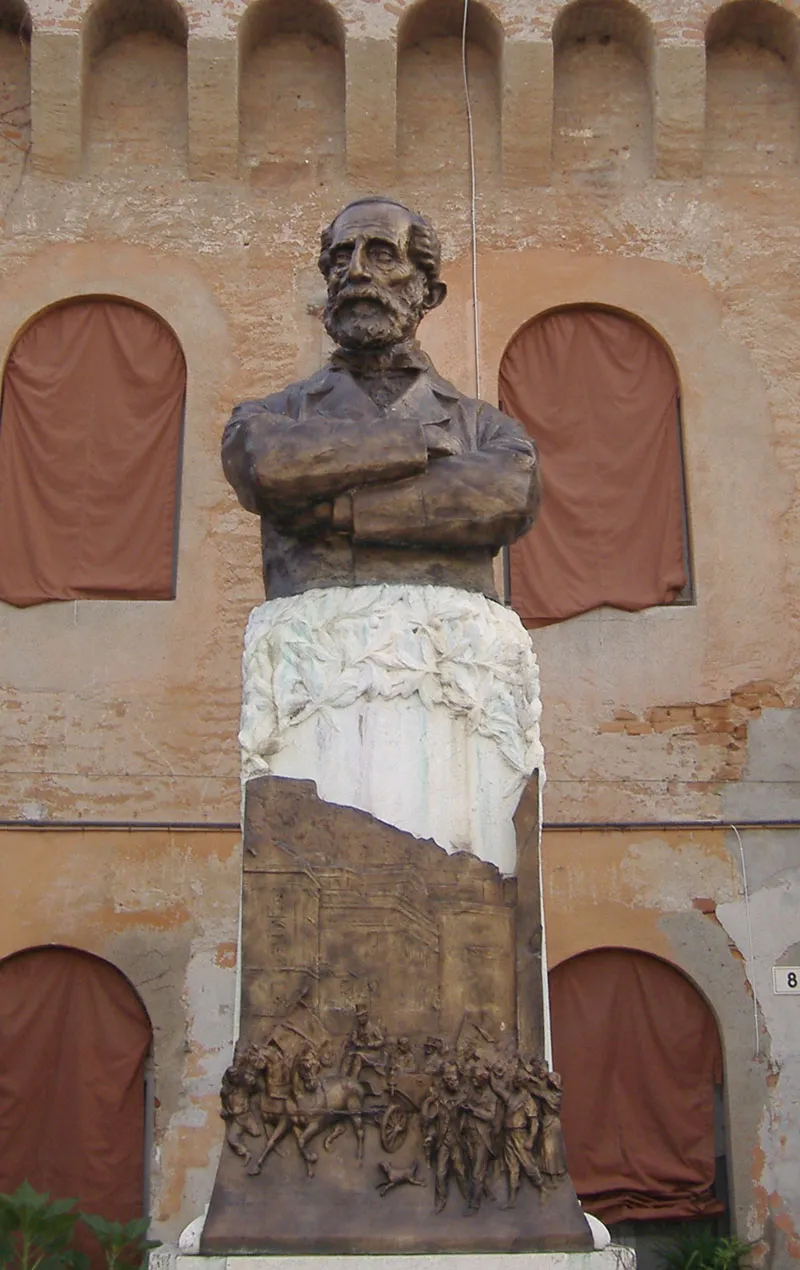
[
  {"x": 386, "y": 1096},
  {"x": 419, "y": 704},
  {"x": 612, "y": 1258}
]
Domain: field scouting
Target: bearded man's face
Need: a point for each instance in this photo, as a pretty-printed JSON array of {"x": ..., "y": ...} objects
[{"x": 376, "y": 293}]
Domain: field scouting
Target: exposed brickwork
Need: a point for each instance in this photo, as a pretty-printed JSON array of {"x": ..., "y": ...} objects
[{"x": 714, "y": 723}]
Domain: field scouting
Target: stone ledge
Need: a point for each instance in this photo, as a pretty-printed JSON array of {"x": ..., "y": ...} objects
[{"x": 612, "y": 1258}]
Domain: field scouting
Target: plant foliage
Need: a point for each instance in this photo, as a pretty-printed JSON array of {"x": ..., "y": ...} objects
[
  {"x": 37, "y": 1233},
  {"x": 701, "y": 1249}
]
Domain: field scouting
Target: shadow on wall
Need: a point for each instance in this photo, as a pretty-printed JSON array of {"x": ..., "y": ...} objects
[
  {"x": 15, "y": 90},
  {"x": 292, "y": 84},
  {"x": 432, "y": 133},
  {"x": 602, "y": 108},
  {"x": 135, "y": 106},
  {"x": 752, "y": 89}
]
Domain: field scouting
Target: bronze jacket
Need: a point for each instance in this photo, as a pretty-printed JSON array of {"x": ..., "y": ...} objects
[{"x": 425, "y": 491}]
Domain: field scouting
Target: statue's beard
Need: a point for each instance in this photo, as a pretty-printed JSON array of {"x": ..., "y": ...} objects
[{"x": 366, "y": 316}]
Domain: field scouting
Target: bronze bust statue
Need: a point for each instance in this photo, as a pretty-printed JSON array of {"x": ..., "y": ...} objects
[{"x": 376, "y": 469}]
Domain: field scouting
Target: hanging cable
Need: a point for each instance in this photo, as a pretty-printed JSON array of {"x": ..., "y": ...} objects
[
  {"x": 751, "y": 954},
  {"x": 472, "y": 202}
]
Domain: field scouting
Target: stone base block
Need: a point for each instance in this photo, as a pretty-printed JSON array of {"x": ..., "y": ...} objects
[{"x": 613, "y": 1258}]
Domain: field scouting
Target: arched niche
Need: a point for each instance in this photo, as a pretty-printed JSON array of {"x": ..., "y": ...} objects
[
  {"x": 641, "y": 1057},
  {"x": 752, "y": 89},
  {"x": 432, "y": 135},
  {"x": 602, "y": 104},
  {"x": 74, "y": 1041},
  {"x": 15, "y": 88},
  {"x": 135, "y": 99},
  {"x": 291, "y": 90}
]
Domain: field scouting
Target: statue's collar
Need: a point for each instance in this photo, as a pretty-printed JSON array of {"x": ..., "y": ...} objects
[
  {"x": 335, "y": 391},
  {"x": 407, "y": 355}
]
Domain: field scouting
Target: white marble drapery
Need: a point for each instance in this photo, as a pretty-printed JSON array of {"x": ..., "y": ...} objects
[{"x": 419, "y": 704}]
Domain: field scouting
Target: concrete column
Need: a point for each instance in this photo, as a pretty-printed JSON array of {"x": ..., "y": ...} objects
[
  {"x": 371, "y": 111},
  {"x": 527, "y": 119},
  {"x": 213, "y": 106},
  {"x": 679, "y": 109},
  {"x": 56, "y": 101}
]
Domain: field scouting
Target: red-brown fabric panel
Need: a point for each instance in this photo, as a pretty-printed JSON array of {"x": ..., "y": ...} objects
[
  {"x": 639, "y": 1053},
  {"x": 599, "y": 395},
  {"x": 90, "y": 433},
  {"x": 73, "y": 1040}
]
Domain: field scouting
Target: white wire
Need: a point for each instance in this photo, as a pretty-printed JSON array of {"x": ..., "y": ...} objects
[
  {"x": 751, "y": 955},
  {"x": 472, "y": 201}
]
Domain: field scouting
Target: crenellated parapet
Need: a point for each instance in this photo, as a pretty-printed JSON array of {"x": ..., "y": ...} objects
[{"x": 366, "y": 90}]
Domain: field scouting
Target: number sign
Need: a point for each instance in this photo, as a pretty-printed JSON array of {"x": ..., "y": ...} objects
[{"x": 786, "y": 979}]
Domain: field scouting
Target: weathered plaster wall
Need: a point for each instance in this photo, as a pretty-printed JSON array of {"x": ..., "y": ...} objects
[
  {"x": 659, "y": 891},
  {"x": 163, "y": 907},
  {"x": 704, "y": 262},
  {"x": 228, "y": 262},
  {"x": 189, "y": 167},
  {"x": 773, "y": 871},
  {"x": 767, "y": 916}
]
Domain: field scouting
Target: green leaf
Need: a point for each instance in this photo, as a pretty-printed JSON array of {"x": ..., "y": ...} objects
[
  {"x": 125, "y": 1245},
  {"x": 9, "y": 1217},
  {"x": 57, "y": 1261},
  {"x": 138, "y": 1228},
  {"x": 699, "y": 1248},
  {"x": 106, "y": 1231},
  {"x": 25, "y": 1194},
  {"x": 60, "y": 1206}
]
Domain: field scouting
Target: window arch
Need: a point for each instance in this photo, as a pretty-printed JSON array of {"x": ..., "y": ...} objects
[
  {"x": 74, "y": 1038},
  {"x": 90, "y": 432},
  {"x": 640, "y": 1056},
  {"x": 599, "y": 394}
]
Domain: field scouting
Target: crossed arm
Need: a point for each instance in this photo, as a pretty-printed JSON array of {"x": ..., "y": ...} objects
[{"x": 399, "y": 482}]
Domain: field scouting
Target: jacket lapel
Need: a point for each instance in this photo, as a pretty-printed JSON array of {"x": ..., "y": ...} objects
[
  {"x": 422, "y": 402},
  {"x": 335, "y": 394}
]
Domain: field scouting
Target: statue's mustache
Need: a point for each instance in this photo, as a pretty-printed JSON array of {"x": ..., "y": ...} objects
[{"x": 355, "y": 292}]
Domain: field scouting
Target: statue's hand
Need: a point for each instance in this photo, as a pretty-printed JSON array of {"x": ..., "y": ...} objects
[
  {"x": 440, "y": 441},
  {"x": 343, "y": 514},
  {"x": 314, "y": 519}
]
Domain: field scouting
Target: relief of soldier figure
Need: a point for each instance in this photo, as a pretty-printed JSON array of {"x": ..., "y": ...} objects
[{"x": 488, "y": 1116}]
